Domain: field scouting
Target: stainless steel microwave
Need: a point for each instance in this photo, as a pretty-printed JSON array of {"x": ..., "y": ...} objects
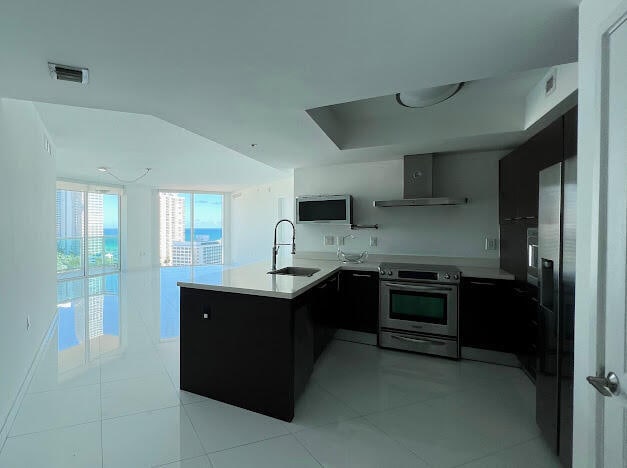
[{"x": 333, "y": 209}]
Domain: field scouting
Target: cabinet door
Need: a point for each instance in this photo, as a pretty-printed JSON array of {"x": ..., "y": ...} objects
[
  {"x": 541, "y": 151},
  {"x": 325, "y": 308},
  {"x": 489, "y": 316},
  {"x": 507, "y": 187},
  {"x": 195, "y": 322},
  {"x": 513, "y": 247},
  {"x": 570, "y": 133},
  {"x": 360, "y": 301}
]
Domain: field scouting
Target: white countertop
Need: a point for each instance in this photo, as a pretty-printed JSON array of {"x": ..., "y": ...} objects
[
  {"x": 485, "y": 273},
  {"x": 254, "y": 278}
]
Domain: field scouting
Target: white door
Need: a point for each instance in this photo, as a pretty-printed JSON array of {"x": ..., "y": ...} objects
[{"x": 611, "y": 421}]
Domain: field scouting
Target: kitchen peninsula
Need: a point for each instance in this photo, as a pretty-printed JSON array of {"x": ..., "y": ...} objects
[{"x": 251, "y": 338}]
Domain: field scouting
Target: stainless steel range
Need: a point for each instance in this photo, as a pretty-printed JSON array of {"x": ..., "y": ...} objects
[{"x": 418, "y": 308}]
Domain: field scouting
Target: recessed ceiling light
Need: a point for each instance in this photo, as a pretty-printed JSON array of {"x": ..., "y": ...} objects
[
  {"x": 103, "y": 169},
  {"x": 426, "y": 97}
]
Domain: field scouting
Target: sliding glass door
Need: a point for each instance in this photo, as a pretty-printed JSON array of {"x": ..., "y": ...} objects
[
  {"x": 87, "y": 230},
  {"x": 103, "y": 233},
  {"x": 70, "y": 233}
]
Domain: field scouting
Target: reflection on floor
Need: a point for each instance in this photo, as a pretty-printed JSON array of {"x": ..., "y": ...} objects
[{"x": 106, "y": 394}]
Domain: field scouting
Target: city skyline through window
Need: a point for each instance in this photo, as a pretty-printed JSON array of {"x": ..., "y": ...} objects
[
  {"x": 87, "y": 232},
  {"x": 190, "y": 228}
]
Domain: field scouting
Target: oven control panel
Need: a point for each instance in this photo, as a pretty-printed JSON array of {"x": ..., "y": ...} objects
[{"x": 419, "y": 273}]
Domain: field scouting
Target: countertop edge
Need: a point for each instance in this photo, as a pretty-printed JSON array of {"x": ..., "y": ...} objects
[
  {"x": 277, "y": 294},
  {"x": 468, "y": 272}
]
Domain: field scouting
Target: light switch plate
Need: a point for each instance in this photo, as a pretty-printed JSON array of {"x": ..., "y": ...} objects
[
  {"x": 490, "y": 243},
  {"x": 373, "y": 241},
  {"x": 329, "y": 240}
]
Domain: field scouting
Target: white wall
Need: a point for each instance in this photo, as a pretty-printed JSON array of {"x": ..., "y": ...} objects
[
  {"x": 538, "y": 104},
  {"x": 452, "y": 231},
  {"x": 254, "y": 212},
  {"x": 592, "y": 16},
  {"x": 27, "y": 244},
  {"x": 140, "y": 227}
]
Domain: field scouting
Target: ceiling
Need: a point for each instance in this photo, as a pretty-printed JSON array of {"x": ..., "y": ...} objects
[
  {"x": 127, "y": 144},
  {"x": 479, "y": 111},
  {"x": 242, "y": 72}
]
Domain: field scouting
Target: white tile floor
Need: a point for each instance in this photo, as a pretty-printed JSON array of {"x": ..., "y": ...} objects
[{"x": 116, "y": 403}]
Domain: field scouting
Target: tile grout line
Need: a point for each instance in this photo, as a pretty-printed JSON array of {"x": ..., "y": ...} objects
[
  {"x": 247, "y": 443},
  {"x": 391, "y": 408},
  {"x": 308, "y": 451},
  {"x": 72, "y": 387},
  {"x": 318, "y": 426},
  {"x": 496, "y": 452},
  {"x": 182, "y": 405},
  {"x": 84, "y": 423},
  {"x": 161, "y": 465},
  {"x": 396, "y": 441},
  {"x": 142, "y": 412},
  {"x": 207, "y": 454}
]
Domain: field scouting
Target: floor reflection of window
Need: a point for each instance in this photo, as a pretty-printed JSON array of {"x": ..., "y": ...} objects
[
  {"x": 170, "y": 293},
  {"x": 88, "y": 313}
]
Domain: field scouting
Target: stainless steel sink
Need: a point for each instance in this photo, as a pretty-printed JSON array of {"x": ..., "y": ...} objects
[{"x": 295, "y": 271}]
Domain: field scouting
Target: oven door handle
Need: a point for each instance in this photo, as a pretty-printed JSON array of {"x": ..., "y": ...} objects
[
  {"x": 408, "y": 287},
  {"x": 416, "y": 340}
]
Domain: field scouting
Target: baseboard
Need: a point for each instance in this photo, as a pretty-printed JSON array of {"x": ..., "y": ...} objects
[
  {"x": 493, "y": 357},
  {"x": 356, "y": 336},
  {"x": 17, "y": 402}
]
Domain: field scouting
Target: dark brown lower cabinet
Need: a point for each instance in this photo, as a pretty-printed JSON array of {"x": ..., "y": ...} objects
[
  {"x": 359, "y": 301},
  {"x": 325, "y": 299},
  {"x": 490, "y": 315},
  {"x": 250, "y": 351}
]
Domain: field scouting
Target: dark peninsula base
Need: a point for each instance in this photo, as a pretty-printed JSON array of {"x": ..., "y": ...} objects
[{"x": 251, "y": 351}]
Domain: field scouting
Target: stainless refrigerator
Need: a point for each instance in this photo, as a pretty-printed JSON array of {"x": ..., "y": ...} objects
[{"x": 556, "y": 314}]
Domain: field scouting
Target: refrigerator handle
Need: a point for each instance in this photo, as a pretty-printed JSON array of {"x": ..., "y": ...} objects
[{"x": 547, "y": 283}]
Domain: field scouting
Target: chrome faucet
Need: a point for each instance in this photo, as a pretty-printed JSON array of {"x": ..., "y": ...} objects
[{"x": 275, "y": 246}]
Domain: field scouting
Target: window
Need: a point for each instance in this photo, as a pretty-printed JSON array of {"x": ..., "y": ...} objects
[
  {"x": 87, "y": 230},
  {"x": 190, "y": 229}
]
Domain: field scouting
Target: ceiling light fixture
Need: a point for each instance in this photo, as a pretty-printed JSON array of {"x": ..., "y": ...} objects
[
  {"x": 426, "y": 97},
  {"x": 106, "y": 170}
]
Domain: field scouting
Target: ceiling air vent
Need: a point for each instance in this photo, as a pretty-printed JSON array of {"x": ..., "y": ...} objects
[{"x": 68, "y": 73}]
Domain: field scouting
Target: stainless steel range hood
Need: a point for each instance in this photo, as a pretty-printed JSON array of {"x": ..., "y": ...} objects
[{"x": 418, "y": 185}]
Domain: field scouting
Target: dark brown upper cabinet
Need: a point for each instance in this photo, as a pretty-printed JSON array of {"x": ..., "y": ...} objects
[
  {"x": 519, "y": 170},
  {"x": 570, "y": 133}
]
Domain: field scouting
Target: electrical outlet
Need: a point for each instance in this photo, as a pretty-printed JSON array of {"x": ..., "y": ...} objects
[
  {"x": 329, "y": 240},
  {"x": 340, "y": 240},
  {"x": 373, "y": 241},
  {"x": 490, "y": 243}
]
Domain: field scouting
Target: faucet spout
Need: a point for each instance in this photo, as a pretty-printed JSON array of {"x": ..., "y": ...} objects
[{"x": 275, "y": 245}]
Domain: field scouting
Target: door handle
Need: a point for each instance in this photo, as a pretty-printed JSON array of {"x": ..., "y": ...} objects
[
  {"x": 360, "y": 275},
  {"x": 482, "y": 283},
  {"x": 607, "y": 386}
]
